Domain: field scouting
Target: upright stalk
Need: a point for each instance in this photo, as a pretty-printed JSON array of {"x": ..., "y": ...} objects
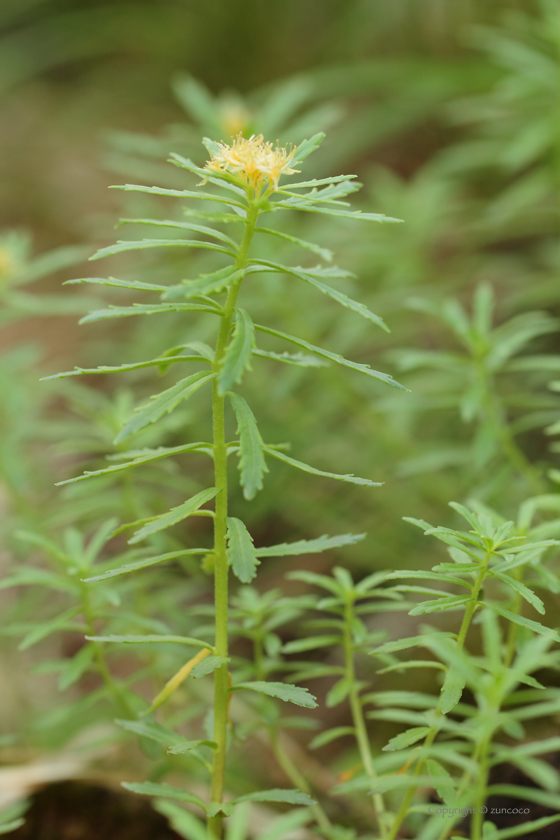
[
  {"x": 358, "y": 714},
  {"x": 462, "y": 635},
  {"x": 221, "y": 571}
]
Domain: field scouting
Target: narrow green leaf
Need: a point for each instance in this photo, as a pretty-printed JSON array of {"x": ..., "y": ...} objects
[
  {"x": 292, "y": 797},
  {"x": 252, "y": 464},
  {"x": 283, "y": 691},
  {"x": 241, "y": 550},
  {"x": 142, "y": 309},
  {"x": 144, "y": 564},
  {"x": 443, "y": 782},
  {"x": 421, "y": 575},
  {"x": 152, "y": 639},
  {"x": 325, "y": 738},
  {"x": 342, "y": 214},
  {"x": 103, "y": 369},
  {"x": 338, "y": 693},
  {"x": 525, "y": 828},
  {"x": 351, "y": 479},
  {"x": 237, "y": 357},
  {"x": 163, "y": 403},
  {"x": 406, "y": 739},
  {"x": 208, "y": 666},
  {"x": 134, "y": 285},
  {"x": 323, "y": 543},
  {"x": 168, "y": 791},
  {"x": 177, "y": 514},
  {"x": 298, "y": 359},
  {"x": 523, "y": 590},
  {"x": 324, "y": 253},
  {"x": 206, "y": 284},
  {"x": 450, "y": 602},
  {"x": 333, "y": 357},
  {"x": 148, "y": 458},
  {"x": 202, "y": 196},
  {"x": 307, "y": 147},
  {"x": 76, "y": 667},
  {"x": 162, "y": 735},
  {"x": 312, "y": 643},
  {"x": 302, "y": 274},
  {"x": 141, "y": 244},
  {"x": 208, "y": 231},
  {"x": 182, "y": 821},
  {"x": 452, "y": 689},
  {"x": 8, "y": 827},
  {"x": 524, "y": 622}
]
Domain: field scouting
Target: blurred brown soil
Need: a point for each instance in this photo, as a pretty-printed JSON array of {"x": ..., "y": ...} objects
[{"x": 79, "y": 811}]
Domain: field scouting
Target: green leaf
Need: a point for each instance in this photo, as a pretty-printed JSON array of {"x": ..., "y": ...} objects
[
  {"x": 144, "y": 564},
  {"x": 76, "y": 667},
  {"x": 311, "y": 643},
  {"x": 237, "y": 357},
  {"x": 134, "y": 285},
  {"x": 323, "y": 543},
  {"x": 206, "y": 284},
  {"x": 199, "y": 104},
  {"x": 523, "y": 590},
  {"x": 182, "y": 821},
  {"x": 168, "y": 791},
  {"x": 140, "y": 244},
  {"x": 324, "y": 253},
  {"x": 241, "y": 551},
  {"x": 341, "y": 298},
  {"x": 152, "y": 639},
  {"x": 443, "y": 782},
  {"x": 8, "y": 827},
  {"x": 292, "y": 797},
  {"x": 405, "y": 644},
  {"x": 208, "y": 666},
  {"x": 202, "y": 196},
  {"x": 208, "y": 231},
  {"x": 333, "y": 357},
  {"x": 150, "y": 456},
  {"x": 524, "y": 828},
  {"x": 330, "y": 735},
  {"x": 338, "y": 692},
  {"x": 145, "y": 309},
  {"x": 298, "y": 359},
  {"x": 524, "y": 622},
  {"x": 103, "y": 369},
  {"x": 406, "y": 739},
  {"x": 450, "y": 602},
  {"x": 421, "y": 575},
  {"x": 177, "y": 514},
  {"x": 307, "y": 147},
  {"x": 252, "y": 464},
  {"x": 162, "y": 735},
  {"x": 163, "y": 403},
  {"x": 351, "y": 479},
  {"x": 283, "y": 691},
  {"x": 452, "y": 689},
  {"x": 319, "y": 182}
]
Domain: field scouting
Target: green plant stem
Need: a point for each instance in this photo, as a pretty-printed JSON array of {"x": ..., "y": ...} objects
[
  {"x": 221, "y": 569},
  {"x": 504, "y": 435},
  {"x": 297, "y": 779},
  {"x": 358, "y": 714},
  {"x": 482, "y": 783},
  {"x": 100, "y": 660},
  {"x": 461, "y": 637}
]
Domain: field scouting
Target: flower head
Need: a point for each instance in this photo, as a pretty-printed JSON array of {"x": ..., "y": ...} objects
[{"x": 256, "y": 161}]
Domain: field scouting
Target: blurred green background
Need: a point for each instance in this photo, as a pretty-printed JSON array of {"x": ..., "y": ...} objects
[{"x": 449, "y": 113}]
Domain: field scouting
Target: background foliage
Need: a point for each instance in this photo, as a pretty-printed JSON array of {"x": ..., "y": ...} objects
[{"x": 448, "y": 113}]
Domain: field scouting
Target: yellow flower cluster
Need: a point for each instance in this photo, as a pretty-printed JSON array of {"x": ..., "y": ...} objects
[{"x": 255, "y": 160}]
